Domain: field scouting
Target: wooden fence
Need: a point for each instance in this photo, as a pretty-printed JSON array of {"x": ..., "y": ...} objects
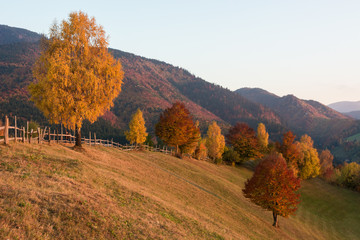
[{"x": 39, "y": 136}]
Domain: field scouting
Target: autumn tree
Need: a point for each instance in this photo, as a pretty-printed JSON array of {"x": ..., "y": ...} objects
[
  {"x": 326, "y": 163},
  {"x": 309, "y": 164},
  {"x": 194, "y": 137},
  {"x": 137, "y": 131},
  {"x": 244, "y": 141},
  {"x": 201, "y": 150},
  {"x": 176, "y": 126},
  {"x": 262, "y": 137},
  {"x": 291, "y": 151},
  {"x": 215, "y": 141},
  {"x": 273, "y": 187},
  {"x": 350, "y": 176},
  {"x": 230, "y": 155},
  {"x": 76, "y": 76}
]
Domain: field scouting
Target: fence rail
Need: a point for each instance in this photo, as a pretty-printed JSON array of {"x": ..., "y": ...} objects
[{"x": 46, "y": 135}]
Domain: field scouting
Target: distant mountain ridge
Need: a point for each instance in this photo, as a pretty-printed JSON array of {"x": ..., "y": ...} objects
[
  {"x": 303, "y": 116},
  {"x": 14, "y": 35},
  {"x": 345, "y": 106},
  {"x": 353, "y": 114}
]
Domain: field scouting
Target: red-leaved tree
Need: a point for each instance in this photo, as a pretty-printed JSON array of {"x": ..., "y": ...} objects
[
  {"x": 176, "y": 127},
  {"x": 244, "y": 141},
  {"x": 273, "y": 187}
]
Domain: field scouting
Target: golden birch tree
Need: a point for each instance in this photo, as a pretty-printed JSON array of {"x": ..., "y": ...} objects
[
  {"x": 76, "y": 77},
  {"x": 215, "y": 141},
  {"x": 137, "y": 131},
  {"x": 309, "y": 164},
  {"x": 262, "y": 136}
]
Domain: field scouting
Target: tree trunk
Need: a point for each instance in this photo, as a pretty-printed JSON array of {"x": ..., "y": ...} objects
[
  {"x": 77, "y": 137},
  {"x": 276, "y": 223}
]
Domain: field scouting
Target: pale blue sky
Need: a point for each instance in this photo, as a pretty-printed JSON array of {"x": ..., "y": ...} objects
[{"x": 309, "y": 48}]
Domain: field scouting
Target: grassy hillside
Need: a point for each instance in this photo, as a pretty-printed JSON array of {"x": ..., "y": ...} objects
[
  {"x": 103, "y": 193},
  {"x": 353, "y": 138}
]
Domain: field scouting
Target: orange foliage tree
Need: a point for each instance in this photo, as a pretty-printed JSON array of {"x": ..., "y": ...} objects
[
  {"x": 273, "y": 187},
  {"x": 244, "y": 141},
  {"x": 215, "y": 141},
  {"x": 176, "y": 127},
  {"x": 291, "y": 151},
  {"x": 326, "y": 164},
  {"x": 76, "y": 77}
]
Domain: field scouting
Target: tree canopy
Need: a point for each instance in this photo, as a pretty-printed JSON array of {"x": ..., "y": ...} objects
[
  {"x": 215, "y": 141},
  {"x": 176, "y": 126},
  {"x": 263, "y": 137},
  {"x": 326, "y": 163},
  {"x": 137, "y": 131},
  {"x": 273, "y": 187},
  {"x": 309, "y": 164},
  {"x": 244, "y": 141},
  {"x": 291, "y": 151},
  {"x": 76, "y": 76}
]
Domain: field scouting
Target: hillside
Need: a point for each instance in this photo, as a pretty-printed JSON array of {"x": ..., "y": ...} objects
[
  {"x": 148, "y": 84},
  {"x": 324, "y": 124},
  {"x": 15, "y": 35},
  {"x": 103, "y": 193},
  {"x": 353, "y": 114}
]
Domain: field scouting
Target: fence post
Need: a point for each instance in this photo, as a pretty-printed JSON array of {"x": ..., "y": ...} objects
[
  {"x": 39, "y": 134},
  {"x": 6, "y": 133},
  {"x": 57, "y": 136},
  {"x": 89, "y": 138},
  {"x": 112, "y": 142},
  {"x": 15, "y": 130},
  {"x": 49, "y": 135},
  {"x": 61, "y": 133},
  {"x": 95, "y": 138},
  {"x": 23, "y": 134},
  {"x": 31, "y": 132},
  {"x": 27, "y": 131}
]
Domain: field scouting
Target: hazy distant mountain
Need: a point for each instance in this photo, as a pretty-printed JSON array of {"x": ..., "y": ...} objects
[
  {"x": 302, "y": 116},
  {"x": 345, "y": 106},
  {"x": 15, "y": 35},
  {"x": 353, "y": 114}
]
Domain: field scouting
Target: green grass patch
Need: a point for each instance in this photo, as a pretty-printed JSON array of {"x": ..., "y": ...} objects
[{"x": 355, "y": 137}]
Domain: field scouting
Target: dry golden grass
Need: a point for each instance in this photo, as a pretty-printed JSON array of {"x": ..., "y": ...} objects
[{"x": 103, "y": 193}]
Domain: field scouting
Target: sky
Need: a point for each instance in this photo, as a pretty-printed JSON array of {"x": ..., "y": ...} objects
[{"x": 308, "y": 48}]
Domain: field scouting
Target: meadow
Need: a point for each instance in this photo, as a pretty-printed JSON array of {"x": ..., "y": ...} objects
[{"x": 49, "y": 192}]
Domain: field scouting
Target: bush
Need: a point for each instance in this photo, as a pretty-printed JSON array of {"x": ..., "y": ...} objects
[{"x": 231, "y": 156}]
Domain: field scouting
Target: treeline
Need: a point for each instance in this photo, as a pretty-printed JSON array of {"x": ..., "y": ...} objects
[{"x": 241, "y": 144}]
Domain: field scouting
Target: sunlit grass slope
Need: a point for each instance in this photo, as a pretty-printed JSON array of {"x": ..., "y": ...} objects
[{"x": 103, "y": 193}]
